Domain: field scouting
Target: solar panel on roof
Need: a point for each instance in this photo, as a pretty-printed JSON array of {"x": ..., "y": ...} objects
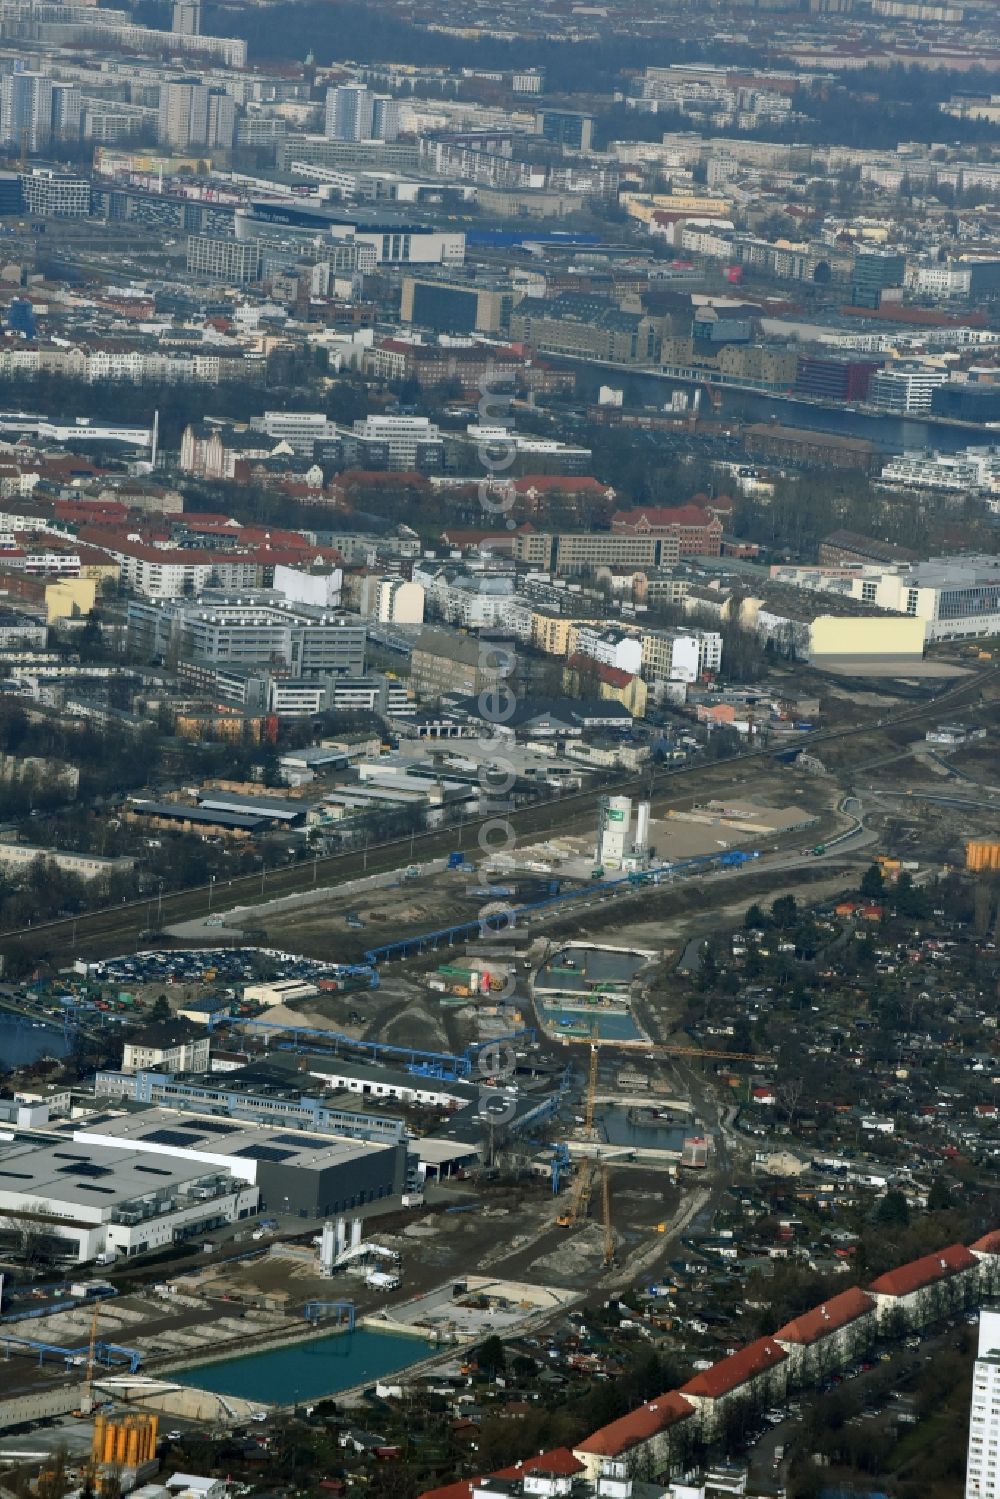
[
  {"x": 264, "y": 1153},
  {"x": 294, "y": 1139},
  {"x": 84, "y": 1168},
  {"x": 217, "y": 1127},
  {"x": 172, "y": 1137}
]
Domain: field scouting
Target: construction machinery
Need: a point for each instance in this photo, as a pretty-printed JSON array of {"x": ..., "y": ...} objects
[
  {"x": 588, "y": 1113},
  {"x": 580, "y": 1202},
  {"x": 609, "y": 1232}
]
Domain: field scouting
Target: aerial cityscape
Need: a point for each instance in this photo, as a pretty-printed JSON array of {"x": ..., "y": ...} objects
[{"x": 499, "y": 749}]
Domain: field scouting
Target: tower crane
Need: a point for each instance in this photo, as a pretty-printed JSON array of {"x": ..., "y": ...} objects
[
  {"x": 87, "y": 1403},
  {"x": 609, "y": 1233},
  {"x": 588, "y": 1113}
]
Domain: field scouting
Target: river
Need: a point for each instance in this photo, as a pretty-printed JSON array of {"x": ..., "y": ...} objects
[
  {"x": 22, "y": 1042},
  {"x": 890, "y": 434}
]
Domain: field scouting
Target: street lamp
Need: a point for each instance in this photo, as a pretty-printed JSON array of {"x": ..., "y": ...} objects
[{"x": 211, "y": 891}]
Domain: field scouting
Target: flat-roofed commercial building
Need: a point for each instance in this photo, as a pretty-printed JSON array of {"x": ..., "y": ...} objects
[
  {"x": 309, "y": 1173},
  {"x": 88, "y": 1199}
]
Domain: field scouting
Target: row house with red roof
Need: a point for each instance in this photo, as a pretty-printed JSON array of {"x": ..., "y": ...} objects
[
  {"x": 753, "y": 1377},
  {"x": 548, "y": 1475},
  {"x": 837, "y": 1332},
  {"x": 937, "y": 1285},
  {"x": 987, "y": 1252},
  {"x": 655, "y": 1438},
  {"x": 661, "y": 1435}
]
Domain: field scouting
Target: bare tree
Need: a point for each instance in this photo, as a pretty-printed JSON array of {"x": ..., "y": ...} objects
[
  {"x": 788, "y": 1093},
  {"x": 29, "y": 1235}
]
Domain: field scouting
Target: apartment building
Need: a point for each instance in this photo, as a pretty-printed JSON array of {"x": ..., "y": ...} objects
[
  {"x": 168, "y": 1046},
  {"x": 444, "y": 663},
  {"x": 194, "y": 115},
  {"x": 617, "y": 648},
  {"x": 229, "y": 260},
  {"x": 587, "y": 327},
  {"x": 906, "y": 387},
  {"x": 156, "y": 572},
  {"x": 259, "y": 627},
  {"x": 680, "y": 655},
  {"x": 983, "y": 1470},
  {"x": 584, "y": 552}
]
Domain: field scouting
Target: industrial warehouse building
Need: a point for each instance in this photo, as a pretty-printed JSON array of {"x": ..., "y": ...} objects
[
  {"x": 307, "y": 1175},
  {"x": 89, "y": 1200}
]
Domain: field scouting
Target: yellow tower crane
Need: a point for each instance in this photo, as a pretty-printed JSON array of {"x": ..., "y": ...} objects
[
  {"x": 588, "y": 1112},
  {"x": 87, "y": 1404},
  {"x": 609, "y": 1233}
]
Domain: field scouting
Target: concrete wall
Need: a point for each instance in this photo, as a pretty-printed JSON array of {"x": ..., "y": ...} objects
[
  {"x": 882, "y": 635},
  {"x": 38, "y": 1407}
]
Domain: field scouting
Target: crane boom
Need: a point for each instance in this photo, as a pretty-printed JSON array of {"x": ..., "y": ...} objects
[
  {"x": 609, "y": 1233},
  {"x": 588, "y": 1113}
]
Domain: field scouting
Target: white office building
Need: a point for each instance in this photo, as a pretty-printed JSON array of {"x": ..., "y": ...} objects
[
  {"x": 302, "y": 430},
  {"x": 405, "y": 437},
  {"x": 958, "y": 598},
  {"x": 906, "y": 387}
]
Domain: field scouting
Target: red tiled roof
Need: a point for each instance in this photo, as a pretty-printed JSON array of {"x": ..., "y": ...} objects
[
  {"x": 831, "y": 1315},
  {"x": 559, "y": 1461},
  {"x": 989, "y": 1243},
  {"x": 562, "y": 483},
  {"x": 924, "y": 1272},
  {"x": 660, "y": 515},
  {"x": 738, "y": 1369},
  {"x": 614, "y": 676},
  {"x": 637, "y": 1426}
]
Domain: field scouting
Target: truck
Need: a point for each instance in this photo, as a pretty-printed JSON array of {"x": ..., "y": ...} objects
[
  {"x": 412, "y": 1199},
  {"x": 458, "y": 861},
  {"x": 381, "y": 1280}
]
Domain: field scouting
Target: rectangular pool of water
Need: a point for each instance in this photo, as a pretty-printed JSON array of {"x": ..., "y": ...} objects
[
  {"x": 307, "y": 1371},
  {"x": 611, "y": 1025}
]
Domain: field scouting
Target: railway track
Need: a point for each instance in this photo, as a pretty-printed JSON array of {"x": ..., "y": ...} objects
[{"x": 119, "y": 928}]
